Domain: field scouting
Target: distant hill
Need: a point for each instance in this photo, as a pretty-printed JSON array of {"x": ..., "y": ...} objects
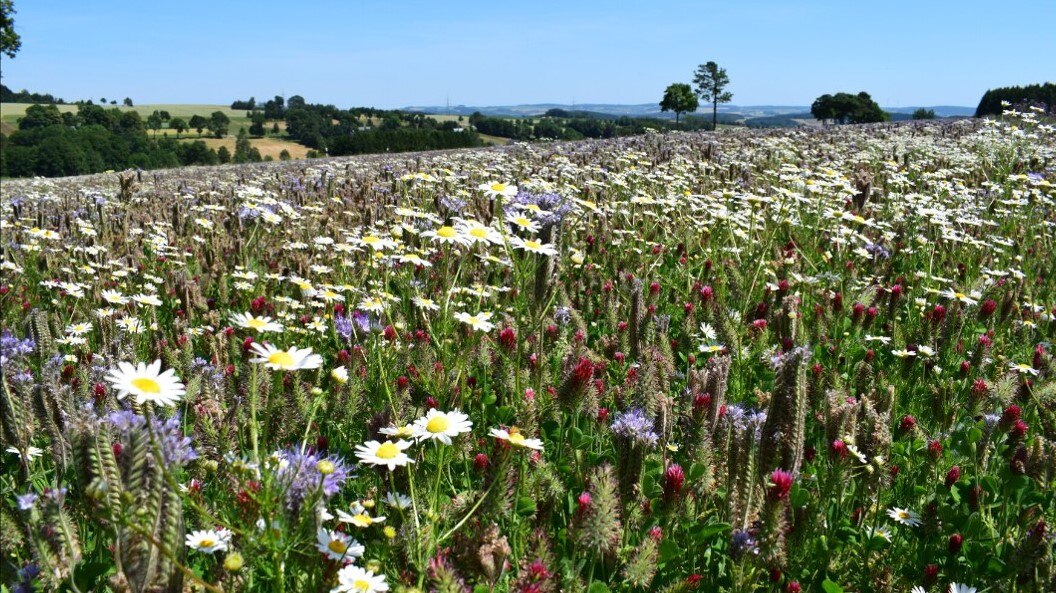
[{"x": 745, "y": 112}]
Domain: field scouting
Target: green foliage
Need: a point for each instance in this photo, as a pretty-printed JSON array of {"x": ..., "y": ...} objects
[
  {"x": 923, "y": 113},
  {"x": 679, "y": 97},
  {"x": 1019, "y": 97},
  {"x": 711, "y": 84},
  {"x": 843, "y": 108},
  {"x": 10, "y": 41}
]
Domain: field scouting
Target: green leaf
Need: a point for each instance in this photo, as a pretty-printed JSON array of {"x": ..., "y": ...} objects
[
  {"x": 831, "y": 587},
  {"x": 526, "y": 506},
  {"x": 598, "y": 587}
]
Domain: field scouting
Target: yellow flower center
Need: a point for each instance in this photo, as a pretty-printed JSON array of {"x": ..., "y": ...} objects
[
  {"x": 325, "y": 467},
  {"x": 516, "y": 438},
  {"x": 532, "y": 244},
  {"x": 256, "y": 323},
  {"x": 522, "y": 221},
  {"x": 146, "y": 385},
  {"x": 362, "y": 520},
  {"x": 282, "y": 359},
  {"x": 446, "y": 232},
  {"x": 206, "y": 543},
  {"x": 437, "y": 424},
  {"x": 479, "y": 232},
  {"x": 361, "y": 585},
  {"x": 960, "y": 295},
  {"x": 498, "y": 187},
  {"x": 337, "y": 546},
  {"x": 387, "y": 450},
  {"x": 371, "y": 239}
]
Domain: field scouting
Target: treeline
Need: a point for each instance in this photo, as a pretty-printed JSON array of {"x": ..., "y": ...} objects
[
  {"x": 1021, "y": 97},
  {"x": 92, "y": 140},
  {"x": 24, "y": 96},
  {"x": 555, "y": 125},
  {"x": 362, "y": 130},
  {"x": 845, "y": 108}
]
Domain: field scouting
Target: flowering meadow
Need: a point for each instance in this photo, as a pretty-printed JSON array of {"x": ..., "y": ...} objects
[{"x": 797, "y": 360}]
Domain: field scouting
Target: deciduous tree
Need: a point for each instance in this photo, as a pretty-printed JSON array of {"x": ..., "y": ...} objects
[{"x": 679, "y": 97}]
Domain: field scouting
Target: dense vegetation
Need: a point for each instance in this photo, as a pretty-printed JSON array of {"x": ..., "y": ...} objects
[
  {"x": 753, "y": 362},
  {"x": 995, "y": 101},
  {"x": 844, "y": 108},
  {"x": 93, "y": 139},
  {"x": 24, "y": 96}
]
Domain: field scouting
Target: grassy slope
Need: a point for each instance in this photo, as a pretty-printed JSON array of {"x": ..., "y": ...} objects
[{"x": 10, "y": 113}]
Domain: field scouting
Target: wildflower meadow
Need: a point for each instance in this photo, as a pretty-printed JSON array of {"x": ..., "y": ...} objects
[{"x": 786, "y": 360}]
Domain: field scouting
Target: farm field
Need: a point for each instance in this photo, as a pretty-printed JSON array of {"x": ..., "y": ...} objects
[
  {"x": 785, "y": 360},
  {"x": 11, "y": 112}
]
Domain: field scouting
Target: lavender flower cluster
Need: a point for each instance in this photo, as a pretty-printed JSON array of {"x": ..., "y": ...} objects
[{"x": 635, "y": 426}]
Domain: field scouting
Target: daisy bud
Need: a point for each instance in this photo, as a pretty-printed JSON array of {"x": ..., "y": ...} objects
[
  {"x": 953, "y": 475},
  {"x": 956, "y": 541},
  {"x": 325, "y": 467},
  {"x": 233, "y": 562}
]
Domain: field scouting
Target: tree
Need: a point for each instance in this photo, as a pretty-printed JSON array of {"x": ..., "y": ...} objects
[
  {"x": 128, "y": 102},
  {"x": 924, "y": 114},
  {"x": 711, "y": 84},
  {"x": 178, "y": 124},
  {"x": 10, "y": 42},
  {"x": 223, "y": 155},
  {"x": 218, "y": 123},
  {"x": 679, "y": 97},
  {"x": 284, "y": 155},
  {"x": 844, "y": 108},
  {"x": 257, "y": 127},
  {"x": 154, "y": 122},
  {"x": 244, "y": 151},
  {"x": 198, "y": 123},
  {"x": 40, "y": 116}
]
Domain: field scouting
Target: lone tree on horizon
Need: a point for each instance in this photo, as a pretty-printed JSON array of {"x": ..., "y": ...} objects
[
  {"x": 711, "y": 84},
  {"x": 679, "y": 98}
]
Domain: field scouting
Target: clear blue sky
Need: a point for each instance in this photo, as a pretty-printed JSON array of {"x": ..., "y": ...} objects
[{"x": 395, "y": 53}]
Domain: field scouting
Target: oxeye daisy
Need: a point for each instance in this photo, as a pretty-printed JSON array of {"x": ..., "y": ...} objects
[
  {"x": 533, "y": 246},
  {"x": 514, "y": 437},
  {"x": 479, "y": 322},
  {"x": 209, "y": 540},
  {"x": 294, "y": 359},
  {"x": 904, "y": 516},
  {"x": 959, "y": 588},
  {"x": 359, "y": 516},
  {"x": 477, "y": 232},
  {"x": 147, "y": 299},
  {"x": 404, "y": 432},
  {"x": 78, "y": 329},
  {"x": 260, "y": 324},
  {"x": 441, "y": 426},
  {"x": 147, "y": 383},
  {"x": 523, "y": 222},
  {"x": 446, "y": 235},
  {"x": 114, "y": 297},
  {"x": 425, "y": 304},
  {"x": 1023, "y": 369},
  {"x": 338, "y": 546},
  {"x": 397, "y": 501},
  {"x": 496, "y": 188},
  {"x": 390, "y": 454},
  {"x": 353, "y": 579}
]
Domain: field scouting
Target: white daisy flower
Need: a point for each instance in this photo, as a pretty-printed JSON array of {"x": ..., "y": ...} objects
[
  {"x": 496, "y": 188},
  {"x": 441, "y": 425},
  {"x": 390, "y": 454},
  {"x": 147, "y": 383},
  {"x": 293, "y": 359},
  {"x": 359, "y": 516},
  {"x": 260, "y": 324},
  {"x": 338, "y": 546},
  {"x": 353, "y": 579},
  {"x": 514, "y": 437},
  {"x": 904, "y": 516},
  {"x": 479, "y": 322},
  {"x": 209, "y": 540}
]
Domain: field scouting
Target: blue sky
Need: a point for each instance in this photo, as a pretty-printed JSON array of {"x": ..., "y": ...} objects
[{"x": 396, "y": 53}]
